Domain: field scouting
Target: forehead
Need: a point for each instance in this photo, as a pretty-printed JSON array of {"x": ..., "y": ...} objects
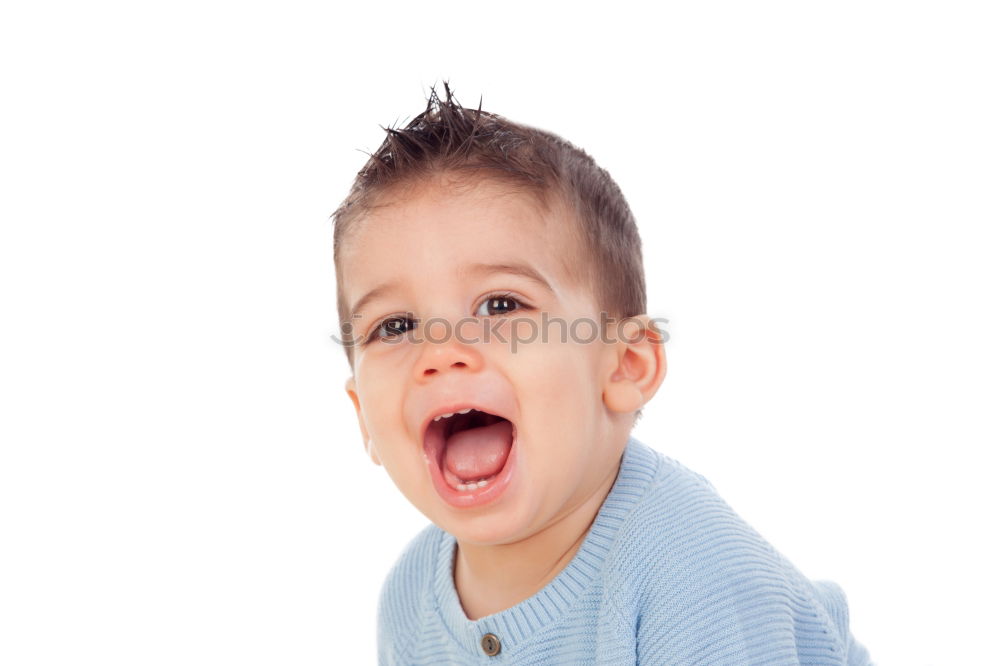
[{"x": 432, "y": 229}]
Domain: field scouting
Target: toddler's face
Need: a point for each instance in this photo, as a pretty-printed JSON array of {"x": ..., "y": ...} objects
[{"x": 539, "y": 439}]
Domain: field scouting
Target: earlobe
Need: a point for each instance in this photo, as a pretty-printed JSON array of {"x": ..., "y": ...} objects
[
  {"x": 640, "y": 365},
  {"x": 621, "y": 396},
  {"x": 352, "y": 392}
]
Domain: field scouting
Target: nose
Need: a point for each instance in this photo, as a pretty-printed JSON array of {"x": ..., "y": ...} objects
[{"x": 441, "y": 350}]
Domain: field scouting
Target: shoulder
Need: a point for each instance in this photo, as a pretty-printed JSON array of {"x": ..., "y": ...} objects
[
  {"x": 408, "y": 590},
  {"x": 683, "y": 529},
  {"x": 674, "y": 532},
  {"x": 701, "y": 583}
]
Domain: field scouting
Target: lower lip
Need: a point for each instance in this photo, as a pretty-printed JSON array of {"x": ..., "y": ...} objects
[{"x": 465, "y": 499}]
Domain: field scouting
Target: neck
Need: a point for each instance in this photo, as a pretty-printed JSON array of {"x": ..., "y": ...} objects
[{"x": 489, "y": 579}]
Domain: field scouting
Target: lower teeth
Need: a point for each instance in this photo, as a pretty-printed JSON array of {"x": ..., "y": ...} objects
[{"x": 472, "y": 485}]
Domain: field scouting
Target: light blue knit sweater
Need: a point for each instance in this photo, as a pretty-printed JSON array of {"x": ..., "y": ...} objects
[{"x": 667, "y": 575}]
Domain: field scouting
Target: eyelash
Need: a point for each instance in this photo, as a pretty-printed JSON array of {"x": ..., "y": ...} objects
[{"x": 501, "y": 296}]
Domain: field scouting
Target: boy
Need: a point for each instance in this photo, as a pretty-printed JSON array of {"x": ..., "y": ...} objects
[{"x": 490, "y": 280}]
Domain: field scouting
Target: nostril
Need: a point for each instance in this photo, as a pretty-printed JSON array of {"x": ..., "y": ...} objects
[{"x": 434, "y": 368}]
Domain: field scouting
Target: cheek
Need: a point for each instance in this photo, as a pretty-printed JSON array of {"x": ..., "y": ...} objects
[
  {"x": 380, "y": 397},
  {"x": 557, "y": 383}
]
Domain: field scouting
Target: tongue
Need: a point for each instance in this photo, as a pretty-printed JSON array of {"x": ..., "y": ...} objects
[{"x": 479, "y": 452}]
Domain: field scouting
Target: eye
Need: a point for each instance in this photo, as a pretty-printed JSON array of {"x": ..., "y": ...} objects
[
  {"x": 390, "y": 327},
  {"x": 498, "y": 304}
]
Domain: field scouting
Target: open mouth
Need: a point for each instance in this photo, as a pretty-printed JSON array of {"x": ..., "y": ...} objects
[{"x": 470, "y": 448}]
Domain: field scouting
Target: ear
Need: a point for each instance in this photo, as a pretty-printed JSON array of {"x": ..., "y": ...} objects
[
  {"x": 640, "y": 365},
  {"x": 352, "y": 392}
]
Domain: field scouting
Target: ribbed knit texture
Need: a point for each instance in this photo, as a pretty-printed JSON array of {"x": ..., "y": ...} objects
[{"x": 667, "y": 575}]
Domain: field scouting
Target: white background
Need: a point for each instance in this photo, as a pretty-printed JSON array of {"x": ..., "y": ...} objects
[{"x": 181, "y": 478}]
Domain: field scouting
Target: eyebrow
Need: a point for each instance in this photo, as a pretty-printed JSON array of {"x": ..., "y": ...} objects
[
  {"x": 522, "y": 270},
  {"x": 479, "y": 269}
]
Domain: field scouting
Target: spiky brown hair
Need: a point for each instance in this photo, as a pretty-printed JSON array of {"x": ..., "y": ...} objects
[{"x": 449, "y": 138}]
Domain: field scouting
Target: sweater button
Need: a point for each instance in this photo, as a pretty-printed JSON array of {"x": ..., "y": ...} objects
[{"x": 490, "y": 644}]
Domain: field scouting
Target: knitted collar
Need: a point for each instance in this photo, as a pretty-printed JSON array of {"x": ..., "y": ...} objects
[{"x": 519, "y": 623}]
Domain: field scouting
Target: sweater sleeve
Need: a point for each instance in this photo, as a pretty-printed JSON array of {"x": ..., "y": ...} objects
[
  {"x": 709, "y": 589},
  {"x": 400, "y": 608},
  {"x": 762, "y": 615},
  {"x": 833, "y": 599},
  {"x": 386, "y": 621}
]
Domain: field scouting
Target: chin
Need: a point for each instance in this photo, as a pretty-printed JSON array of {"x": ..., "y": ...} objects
[{"x": 486, "y": 530}]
